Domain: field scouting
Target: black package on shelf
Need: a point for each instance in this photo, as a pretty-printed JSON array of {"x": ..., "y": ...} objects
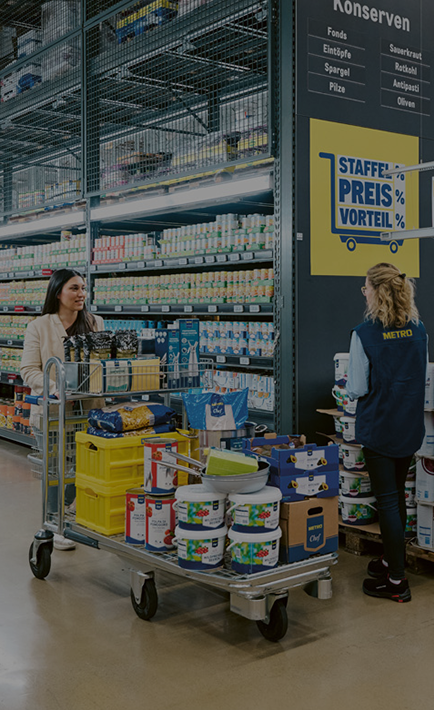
[
  {"x": 100, "y": 345},
  {"x": 126, "y": 344}
]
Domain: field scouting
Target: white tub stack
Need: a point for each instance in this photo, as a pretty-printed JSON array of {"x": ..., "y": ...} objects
[{"x": 356, "y": 502}]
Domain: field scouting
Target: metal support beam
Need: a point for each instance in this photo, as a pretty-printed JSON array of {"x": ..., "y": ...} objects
[{"x": 283, "y": 104}]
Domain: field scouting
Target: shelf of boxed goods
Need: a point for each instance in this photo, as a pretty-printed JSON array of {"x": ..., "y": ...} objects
[
  {"x": 244, "y": 309},
  {"x": 196, "y": 262}
]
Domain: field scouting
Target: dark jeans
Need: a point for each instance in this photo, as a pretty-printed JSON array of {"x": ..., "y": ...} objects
[{"x": 388, "y": 484}]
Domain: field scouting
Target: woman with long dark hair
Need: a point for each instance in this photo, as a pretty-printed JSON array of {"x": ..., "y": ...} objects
[
  {"x": 387, "y": 373},
  {"x": 64, "y": 314}
]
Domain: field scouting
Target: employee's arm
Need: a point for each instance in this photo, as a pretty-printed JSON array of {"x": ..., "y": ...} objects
[
  {"x": 31, "y": 362},
  {"x": 358, "y": 369}
]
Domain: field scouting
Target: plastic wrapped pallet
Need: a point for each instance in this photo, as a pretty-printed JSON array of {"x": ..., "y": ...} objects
[{"x": 59, "y": 17}]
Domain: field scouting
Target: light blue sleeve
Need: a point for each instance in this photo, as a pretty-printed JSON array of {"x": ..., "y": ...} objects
[{"x": 358, "y": 369}]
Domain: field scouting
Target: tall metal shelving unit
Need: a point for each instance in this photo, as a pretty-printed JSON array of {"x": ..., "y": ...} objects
[{"x": 135, "y": 117}]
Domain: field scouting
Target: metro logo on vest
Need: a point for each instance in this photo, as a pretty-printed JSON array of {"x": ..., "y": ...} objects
[{"x": 395, "y": 334}]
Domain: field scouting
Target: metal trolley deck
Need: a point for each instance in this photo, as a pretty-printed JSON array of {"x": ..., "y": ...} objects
[{"x": 261, "y": 597}]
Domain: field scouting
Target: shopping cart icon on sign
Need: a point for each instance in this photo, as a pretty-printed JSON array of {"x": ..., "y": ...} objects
[{"x": 363, "y": 202}]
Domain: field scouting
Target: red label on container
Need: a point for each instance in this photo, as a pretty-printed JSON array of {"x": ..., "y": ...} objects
[
  {"x": 47, "y": 272},
  {"x": 19, "y": 309}
]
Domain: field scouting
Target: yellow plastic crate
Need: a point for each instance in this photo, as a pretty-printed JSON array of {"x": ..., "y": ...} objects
[
  {"x": 101, "y": 507},
  {"x": 118, "y": 461}
]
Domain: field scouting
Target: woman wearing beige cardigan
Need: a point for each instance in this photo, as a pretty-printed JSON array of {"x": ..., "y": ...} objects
[{"x": 64, "y": 314}]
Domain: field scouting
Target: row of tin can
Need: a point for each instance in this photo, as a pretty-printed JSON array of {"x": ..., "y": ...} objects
[{"x": 150, "y": 514}]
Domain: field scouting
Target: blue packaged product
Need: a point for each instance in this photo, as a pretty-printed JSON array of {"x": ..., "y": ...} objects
[{"x": 127, "y": 416}]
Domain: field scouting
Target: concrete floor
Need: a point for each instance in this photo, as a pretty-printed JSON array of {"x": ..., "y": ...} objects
[{"x": 73, "y": 641}]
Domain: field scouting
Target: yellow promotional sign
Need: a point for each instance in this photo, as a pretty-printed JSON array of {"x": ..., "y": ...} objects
[{"x": 352, "y": 201}]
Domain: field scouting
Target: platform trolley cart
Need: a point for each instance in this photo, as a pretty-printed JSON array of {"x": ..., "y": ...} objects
[{"x": 261, "y": 597}]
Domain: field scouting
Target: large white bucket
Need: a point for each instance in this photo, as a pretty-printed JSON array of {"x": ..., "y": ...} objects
[
  {"x": 358, "y": 511},
  {"x": 354, "y": 486},
  {"x": 341, "y": 368},
  {"x": 429, "y": 387},
  {"x": 352, "y": 457},
  {"x": 349, "y": 430},
  {"x": 341, "y": 397}
]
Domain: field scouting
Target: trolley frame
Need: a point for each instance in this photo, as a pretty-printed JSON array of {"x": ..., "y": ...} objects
[{"x": 261, "y": 597}]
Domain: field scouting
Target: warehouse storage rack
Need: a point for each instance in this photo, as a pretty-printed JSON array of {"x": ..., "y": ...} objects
[{"x": 120, "y": 117}]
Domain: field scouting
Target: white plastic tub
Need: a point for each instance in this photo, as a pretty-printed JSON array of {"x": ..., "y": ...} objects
[
  {"x": 354, "y": 486},
  {"x": 255, "y": 512},
  {"x": 358, "y": 511},
  {"x": 349, "y": 430},
  {"x": 341, "y": 368},
  {"x": 352, "y": 457},
  {"x": 199, "y": 509},
  {"x": 254, "y": 552},
  {"x": 199, "y": 549}
]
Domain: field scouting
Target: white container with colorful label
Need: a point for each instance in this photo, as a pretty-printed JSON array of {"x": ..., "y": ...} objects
[
  {"x": 352, "y": 457},
  {"x": 254, "y": 552},
  {"x": 160, "y": 523},
  {"x": 350, "y": 407},
  {"x": 354, "y": 486},
  {"x": 160, "y": 479},
  {"x": 411, "y": 523},
  {"x": 341, "y": 368},
  {"x": 199, "y": 509},
  {"x": 341, "y": 397},
  {"x": 200, "y": 550},
  {"x": 358, "y": 511},
  {"x": 410, "y": 493},
  {"x": 349, "y": 430},
  {"x": 338, "y": 426},
  {"x": 255, "y": 512}
]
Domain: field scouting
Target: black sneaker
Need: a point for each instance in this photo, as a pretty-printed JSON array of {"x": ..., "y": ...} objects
[
  {"x": 376, "y": 568},
  {"x": 386, "y": 589}
]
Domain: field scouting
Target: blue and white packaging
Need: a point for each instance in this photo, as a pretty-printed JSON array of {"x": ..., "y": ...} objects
[
  {"x": 162, "y": 345},
  {"x": 189, "y": 352},
  {"x": 173, "y": 358}
]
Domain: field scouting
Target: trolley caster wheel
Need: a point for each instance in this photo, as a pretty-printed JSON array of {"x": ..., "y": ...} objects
[
  {"x": 43, "y": 565},
  {"x": 278, "y": 624},
  {"x": 149, "y": 602}
]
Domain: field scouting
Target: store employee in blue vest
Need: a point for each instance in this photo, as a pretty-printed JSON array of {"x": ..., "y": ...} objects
[{"x": 387, "y": 373}]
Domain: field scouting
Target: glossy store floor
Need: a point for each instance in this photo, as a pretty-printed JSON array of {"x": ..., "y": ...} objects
[{"x": 73, "y": 641}]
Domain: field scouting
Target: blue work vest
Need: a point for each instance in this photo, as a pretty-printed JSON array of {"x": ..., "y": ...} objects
[{"x": 390, "y": 418}]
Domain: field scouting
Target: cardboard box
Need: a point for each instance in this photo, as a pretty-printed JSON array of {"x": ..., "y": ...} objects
[
  {"x": 309, "y": 527},
  {"x": 425, "y": 480},
  {"x": 286, "y": 462},
  {"x": 306, "y": 484},
  {"x": 425, "y": 526}
]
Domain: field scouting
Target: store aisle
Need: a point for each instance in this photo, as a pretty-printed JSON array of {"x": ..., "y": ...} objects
[{"x": 73, "y": 642}]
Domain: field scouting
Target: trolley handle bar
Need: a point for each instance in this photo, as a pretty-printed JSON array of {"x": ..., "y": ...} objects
[{"x": 36, "y": 399}]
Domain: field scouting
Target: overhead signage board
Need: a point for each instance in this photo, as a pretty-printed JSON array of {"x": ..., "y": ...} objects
[{"x": 367, "y": 63}]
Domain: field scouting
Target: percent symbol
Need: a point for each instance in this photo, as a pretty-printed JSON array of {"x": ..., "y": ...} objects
[
  {"x": 400, "y": 221},
  {"x": 400, "y": 195}
]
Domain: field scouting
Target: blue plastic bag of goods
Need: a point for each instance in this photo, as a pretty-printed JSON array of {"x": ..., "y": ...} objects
[
  {"x": 147, "y": 431},
  {"x": 127, "y": 416},
  {"x": 217, "y": 412}
]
